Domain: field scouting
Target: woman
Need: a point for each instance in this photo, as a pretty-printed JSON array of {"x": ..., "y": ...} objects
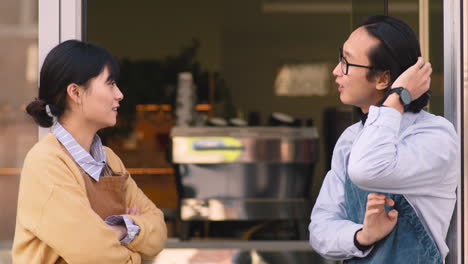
[{"x": 77, "y": 203}]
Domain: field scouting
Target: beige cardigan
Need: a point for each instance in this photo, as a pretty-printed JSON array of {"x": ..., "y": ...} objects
[{"x": 55, "y": 218}]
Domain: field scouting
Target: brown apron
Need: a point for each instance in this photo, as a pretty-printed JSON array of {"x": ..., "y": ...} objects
[{"x": 106, "y": 196}]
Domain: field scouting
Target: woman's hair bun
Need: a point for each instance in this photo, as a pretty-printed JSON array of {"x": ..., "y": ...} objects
[{"x": 37, "y": 109}]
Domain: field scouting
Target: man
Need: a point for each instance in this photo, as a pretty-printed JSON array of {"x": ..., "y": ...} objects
[{"x": 390, "y": 193}]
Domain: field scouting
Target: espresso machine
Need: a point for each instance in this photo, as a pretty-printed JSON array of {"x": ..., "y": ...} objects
[{"x": 244, "y": 173}]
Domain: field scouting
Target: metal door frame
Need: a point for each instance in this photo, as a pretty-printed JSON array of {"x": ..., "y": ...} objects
[
  {"x": 453, "y": 111},
  {"x": 59, "y": 20}
]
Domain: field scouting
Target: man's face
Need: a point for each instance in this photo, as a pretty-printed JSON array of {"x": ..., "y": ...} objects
[{"x": 355, "y": 89}]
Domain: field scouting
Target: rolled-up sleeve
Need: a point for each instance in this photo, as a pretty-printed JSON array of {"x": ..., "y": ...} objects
[
  {"x": 132, "y": 228},
  {"x": 331, "y": 233}
]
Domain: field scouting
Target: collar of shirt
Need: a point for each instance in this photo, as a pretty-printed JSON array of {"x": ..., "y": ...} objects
[
  {"x": 92, "y": 163},
  {"x": 408, "y": 118},
  {"x": 388, "y": 114}
]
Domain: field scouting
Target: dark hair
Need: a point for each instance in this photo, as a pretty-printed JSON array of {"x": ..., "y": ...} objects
[
  {"x": 398, "y": 49},
  {"x": 69, "y": 62}
]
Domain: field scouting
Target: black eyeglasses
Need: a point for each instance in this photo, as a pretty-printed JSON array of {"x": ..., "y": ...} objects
[{"x": 345, "y": 64}]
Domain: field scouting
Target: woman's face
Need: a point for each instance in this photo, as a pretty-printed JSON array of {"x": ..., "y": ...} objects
[{"x": 101, "y": 101}]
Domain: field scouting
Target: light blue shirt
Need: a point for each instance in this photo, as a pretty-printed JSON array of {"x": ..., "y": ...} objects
[
  {"x": 93, "y": 163},
  {"x": 416, "y": 155}
]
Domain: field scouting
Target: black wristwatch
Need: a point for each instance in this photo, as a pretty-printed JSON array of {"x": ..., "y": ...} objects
[{"x": 405, "y": 96}]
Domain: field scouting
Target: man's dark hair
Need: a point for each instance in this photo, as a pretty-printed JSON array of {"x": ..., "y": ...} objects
[{"x": 398, "y": 49}]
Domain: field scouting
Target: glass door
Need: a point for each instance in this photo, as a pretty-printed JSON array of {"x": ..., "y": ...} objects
[{"x": 18, "y": 72}]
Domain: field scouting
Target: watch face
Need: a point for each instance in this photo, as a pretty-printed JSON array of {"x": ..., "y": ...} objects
[{"x": 405, "y": 97}]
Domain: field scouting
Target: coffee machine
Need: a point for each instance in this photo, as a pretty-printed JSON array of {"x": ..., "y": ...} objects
[{"x": 244, "y": 173}]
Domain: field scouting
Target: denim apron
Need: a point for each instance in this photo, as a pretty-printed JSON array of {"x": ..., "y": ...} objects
[{"x": 409, "y": 242}]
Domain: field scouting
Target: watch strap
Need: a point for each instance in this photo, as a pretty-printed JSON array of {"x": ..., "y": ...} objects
[{"x": 399, "y": 90}]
